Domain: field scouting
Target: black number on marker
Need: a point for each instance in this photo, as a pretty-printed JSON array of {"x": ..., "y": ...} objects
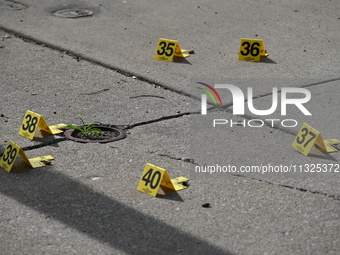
[
  {"x": 150, "y": 178},
  {"x": 250, "y": 49},
  {"x": 10, "y": 154},
  {"x": 303, "y": 137},
  {"x": 30, "y": 123},
  {"x": 166, "y": 49}
]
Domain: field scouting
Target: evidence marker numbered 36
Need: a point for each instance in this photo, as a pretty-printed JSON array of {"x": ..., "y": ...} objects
[{"x": 251, "y": 50}]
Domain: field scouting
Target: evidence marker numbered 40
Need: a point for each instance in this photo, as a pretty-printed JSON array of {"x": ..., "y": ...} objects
[{"x": 153, "y": 177}]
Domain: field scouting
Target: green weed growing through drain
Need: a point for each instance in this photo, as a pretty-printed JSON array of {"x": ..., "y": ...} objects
[{"x": 87, "y": 130}]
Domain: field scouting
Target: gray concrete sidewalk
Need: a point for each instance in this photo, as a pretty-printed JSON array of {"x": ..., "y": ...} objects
[{"x": 101, "y": 68}]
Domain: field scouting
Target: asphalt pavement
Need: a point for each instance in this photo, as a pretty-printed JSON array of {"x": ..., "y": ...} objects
[{"x": 102, "y": 68}]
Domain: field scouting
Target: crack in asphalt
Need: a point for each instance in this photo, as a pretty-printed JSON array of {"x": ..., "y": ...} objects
[
  {"x": 187, "y": 160},
  {"x": 321, "y": 82},
  {"x": 79, "y": 56},
  {"x": 158, "y": 120},
  {"x": 191, "y": 161},
  {"x": 94, "y": 93},
  {"x": 298, "y": 189},
  {"x": 147, "y": 96}
]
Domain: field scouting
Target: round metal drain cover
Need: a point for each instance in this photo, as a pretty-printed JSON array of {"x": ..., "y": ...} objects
[
  {"x": 73, "y": 13},
  {"x": 116, "y": 134}
]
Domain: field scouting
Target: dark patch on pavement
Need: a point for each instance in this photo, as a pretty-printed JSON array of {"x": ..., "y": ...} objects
[{"x": 12, "y": 5}]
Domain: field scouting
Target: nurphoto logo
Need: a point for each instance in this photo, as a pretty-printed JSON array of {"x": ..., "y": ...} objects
[{"x": 239, "y": 101}]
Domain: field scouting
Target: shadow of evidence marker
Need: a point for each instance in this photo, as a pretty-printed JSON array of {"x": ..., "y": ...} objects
[{"x": 98, "y": 216}]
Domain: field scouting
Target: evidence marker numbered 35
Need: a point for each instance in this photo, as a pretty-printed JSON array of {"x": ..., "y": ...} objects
[{"x": 168, "y": 49}]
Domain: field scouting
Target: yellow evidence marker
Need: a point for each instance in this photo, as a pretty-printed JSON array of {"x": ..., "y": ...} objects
[
  {"x": 13, "y": 150},
  {"x": 251, "y": 50},
  {"x": 168, "y": 49},
  {"x": 309, "y": 136},
  {"x": 32, "y": 121},
  {"x": 153, "y": 177}
]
